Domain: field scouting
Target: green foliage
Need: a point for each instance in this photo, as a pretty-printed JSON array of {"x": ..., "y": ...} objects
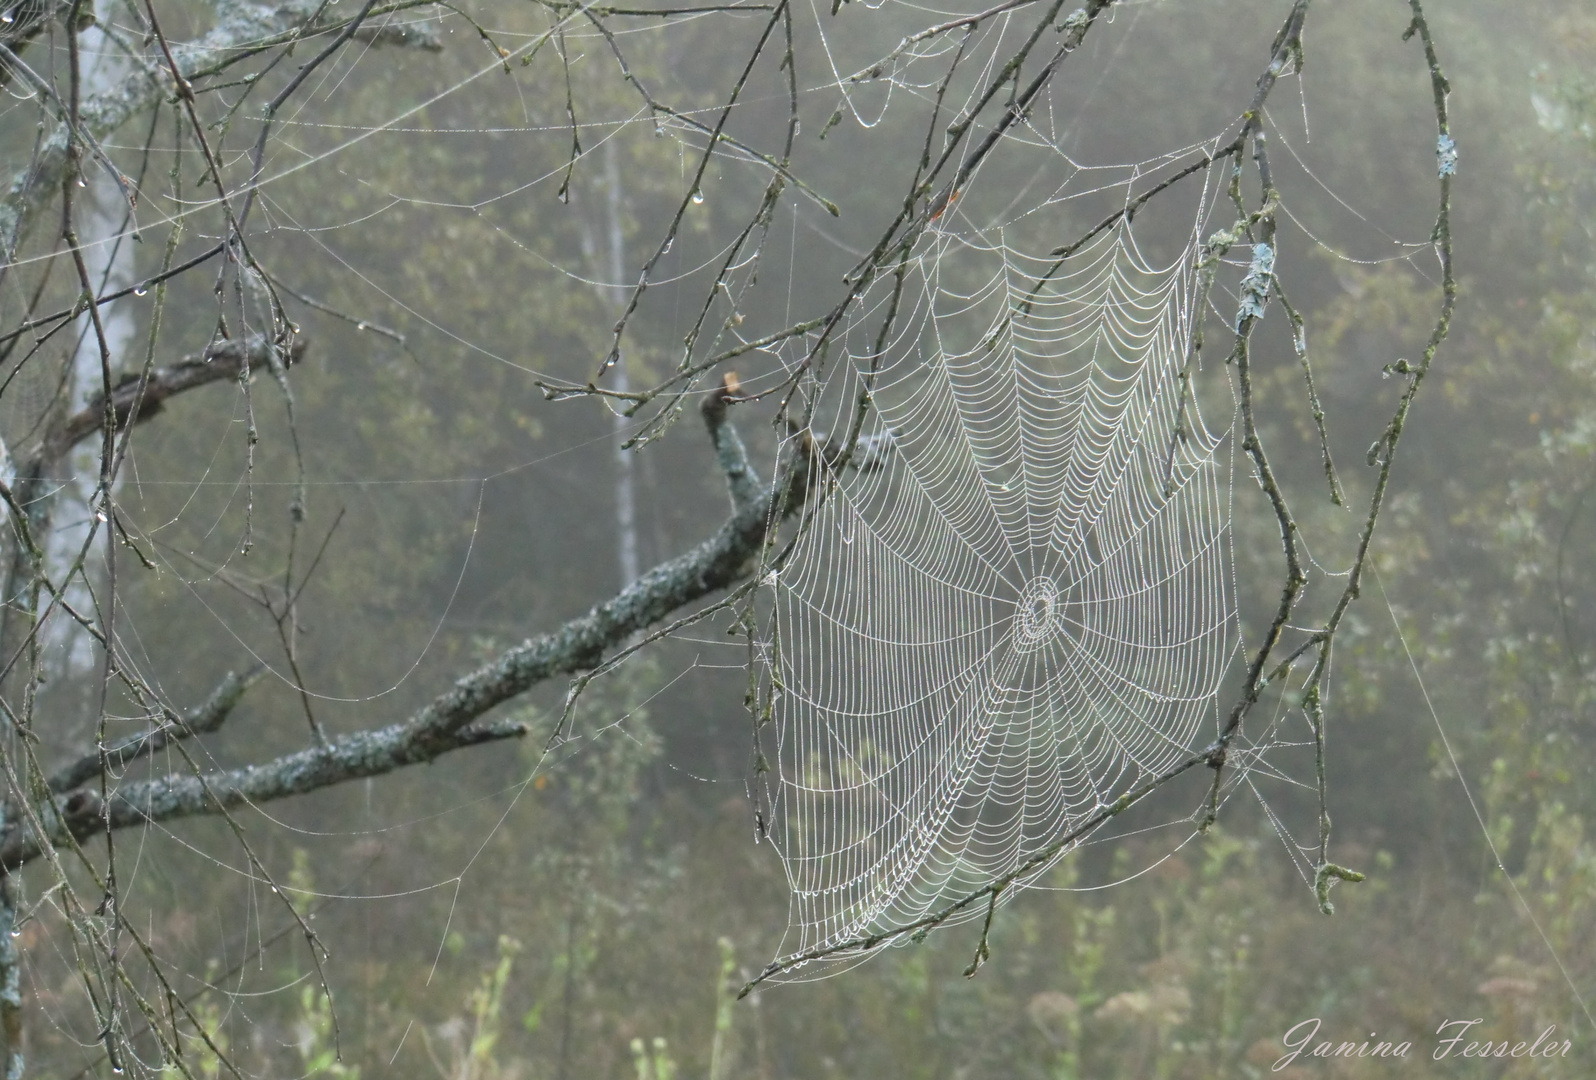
[
  {"x": 653, "y": 1060},
  {"x": 318, "y": 1047},
  {"x": 470, "y": 1041},
  {"x": 203, "y": 1054}
]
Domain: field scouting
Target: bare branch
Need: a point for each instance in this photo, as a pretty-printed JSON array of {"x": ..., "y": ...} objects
[
  {"x": 729, "y": 450},
  {"x": 222, "y": 362},
  {"x": 245, "y": 27},
  {"x": 450, "y": 722},
  {"x": 204, "y": 718}
]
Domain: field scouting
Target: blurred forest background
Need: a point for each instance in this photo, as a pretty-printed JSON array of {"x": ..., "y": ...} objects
[{"x": 593, "y": 913}]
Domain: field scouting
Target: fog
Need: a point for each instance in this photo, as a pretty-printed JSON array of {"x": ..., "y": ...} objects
[{"x": 344, "y": 736}]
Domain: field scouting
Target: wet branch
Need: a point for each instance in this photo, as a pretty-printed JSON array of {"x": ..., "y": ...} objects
[
  {"x": 455, "y": 719},
  {"x": 221, "y": 363},
  {"x": 203, "y": 719}
]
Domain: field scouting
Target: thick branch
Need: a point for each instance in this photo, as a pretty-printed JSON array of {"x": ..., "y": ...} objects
[
  {"x": 239, "y": 26},
  {"x": 221, "y": 362},
  {"x": 200, "y": 720},
  {"x": 741, "y": 483},
  {"x": 450, "y": 722}
]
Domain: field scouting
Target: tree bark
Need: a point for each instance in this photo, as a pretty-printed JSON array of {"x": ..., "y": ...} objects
[{"x": 455, "y": 718}]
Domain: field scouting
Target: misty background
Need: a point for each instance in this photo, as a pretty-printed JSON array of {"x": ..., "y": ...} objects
[{"x": 592, "y": 911}]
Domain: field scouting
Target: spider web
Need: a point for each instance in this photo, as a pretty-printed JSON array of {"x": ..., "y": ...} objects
[
  {"x": 1016, "y": 606},
  {"x": 1010, "y": 608}
]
